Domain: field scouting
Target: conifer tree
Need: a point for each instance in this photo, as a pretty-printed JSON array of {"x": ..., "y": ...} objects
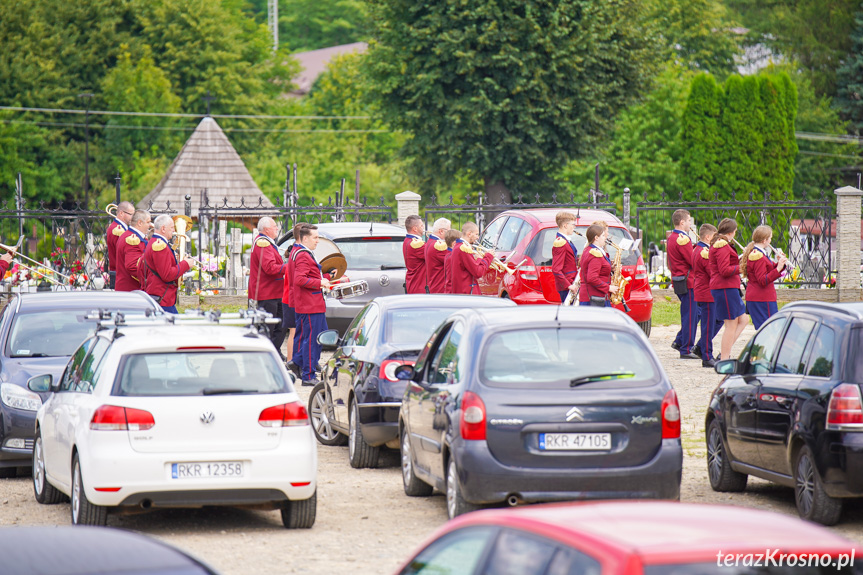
[
  {"x": 741, "y": 124},
  {"x": 701, "y": 138},
  {"x": 849, "y": 79}
]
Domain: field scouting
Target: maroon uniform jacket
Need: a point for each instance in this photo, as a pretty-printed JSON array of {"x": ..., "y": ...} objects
[
  {"x": 307, "y": 296},
  {"x": 761, "y": 273},
  {"x": 447, "y": 268},
  {"x": 161, "y": 271},
  {"x": 564, "y": 262},
  {"x": 4, "y": 267},
  {"x": 466, "y": 269},
  {"x": 415, "y": 277},
  {"x": 595, "y": 273},
  {"x": 724, "y": 266},
  {"x": 266, "y": 270},
  {"x": 435, "y": 252},
  {"x": 115, "y": 230},
  {"x": 679, "y": 248},
  {"x": 130, "y": 248},
  {"x": 701, "y": 272},
  {"x": 289, "y": 270}
]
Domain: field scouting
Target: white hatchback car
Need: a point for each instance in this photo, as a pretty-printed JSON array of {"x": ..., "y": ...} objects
[{"x": 175, "y": 416}]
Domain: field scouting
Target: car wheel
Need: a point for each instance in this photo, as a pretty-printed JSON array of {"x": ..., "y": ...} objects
[
  {"x": 319, "y": 414},
  {"x": 300, "y": 514},
  {"x": 84, "y": 512},
  {"x": 505, "y": 295},
  {"x": 645, "y": 326},
  {"x": 813, "y": 503},
  {"x": 414, "y": 487},
  {"x": 46, "y": 493},
  {"x": 722, "y": 477},
  {"x": 362, "y": 454},
  {"x": 455, "y": 503}
]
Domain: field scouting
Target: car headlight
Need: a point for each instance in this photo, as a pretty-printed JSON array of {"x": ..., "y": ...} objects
[{"x": 19, "y": 398}]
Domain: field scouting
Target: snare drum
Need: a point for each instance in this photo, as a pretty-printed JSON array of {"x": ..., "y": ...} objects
[{"x": 349, "y": 289}]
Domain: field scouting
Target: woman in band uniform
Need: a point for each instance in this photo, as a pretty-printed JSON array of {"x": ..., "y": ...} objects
[
  {"x": 595, "y": 270},
  {"x": 724, "y": 266},
  {"x": 761, "y": 272}
]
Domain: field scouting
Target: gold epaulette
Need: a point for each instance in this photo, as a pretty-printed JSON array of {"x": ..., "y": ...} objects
[
  {"x": 755, "y": 255},
  {"x": 159, "y": 245},
  {"x": 417, "y": 243},
  {"x": 262, "y": 243},
  {"x": 440, "y": 246},
  {"x": 559, "y": 242},
  {"x": 133, "y": 240},
  {"x": 705, "y": 253},
  {"x": 595, "y": 253},
  {"x": 720, "y": 244},
  {"x": 682, "y": 240},
  {"x": 118, "y": 231},
  {"x": 466, "y": 248}
]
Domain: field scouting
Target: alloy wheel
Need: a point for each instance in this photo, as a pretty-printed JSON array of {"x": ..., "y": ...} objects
[
  {"x": 352, "y": 430},
  {"x": 451, "y": 494},
  {"x": 714, "y": 456},
  {"x": 38, "y": 466},
  {"x": 407, "y": 470},
  {"x": 805, "y": 488},
  {"x": 320, "y": 419},
  {"x": 76, "y": 494}
]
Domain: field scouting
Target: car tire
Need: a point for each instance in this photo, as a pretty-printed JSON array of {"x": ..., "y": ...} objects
[
  {"x": 300, "y": 514},
  {"x": 722, "y": 477},
  {"x": 45, "y": 493},
  {"x": 645, "y": 326},
  {"x": 813, "y": 503},
  {"x": 83, "y": 512},
  {"x": 362, "y": 455},
  {"x": 414, "y": 486},
  {"x": 455, "y": 502},
  {"x": 318, "y": 414}
]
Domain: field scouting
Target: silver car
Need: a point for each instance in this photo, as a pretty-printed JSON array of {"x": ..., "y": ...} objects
[{"x": 373, "y": 253}]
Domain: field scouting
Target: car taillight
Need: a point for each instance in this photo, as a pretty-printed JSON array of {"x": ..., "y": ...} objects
[
  {"x": 285, "y": 415},
  {"x": 472, "y": 424},
  {"x": 640, "y": 272},
  {"x": 116, "y": 418},
  {"x": 388, "y": 368},
  {"x": 670, "y": 416},
  {"x": 846, "y": 407}
]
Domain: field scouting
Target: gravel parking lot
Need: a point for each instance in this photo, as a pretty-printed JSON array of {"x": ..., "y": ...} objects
[{"x": 366, "y": 524}]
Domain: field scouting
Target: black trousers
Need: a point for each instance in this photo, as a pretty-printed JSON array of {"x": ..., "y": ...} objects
[{"x": 277, "y": 330}]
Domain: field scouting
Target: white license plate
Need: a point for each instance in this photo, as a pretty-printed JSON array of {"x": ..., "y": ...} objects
[
  {"x": 575, "y": 441},
  {"x": 204, "y": 469}
]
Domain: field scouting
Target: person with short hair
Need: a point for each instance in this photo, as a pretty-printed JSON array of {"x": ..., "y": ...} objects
[
  {"x": 435, "y": 253},
  {"x": 679, "y": 249},
  {"x": 703, "y": 298},
  {"x": 289, "y": 317},
  {"x": 466, "y": 267},
  {"x": 596, "y": 288},
  {"x": 117, "y": 227},
  {"x": 130, "y": 248},
  {"x": 564, "y": 256},
  {"x": 414, "y": 254},
  {"x": 761, "y": 271},
  {"x": 450, "y": 238},
  {"x": 267, "y": 278},
  {"x": 724, "y": 265},
  {"x": 161, "y": 270},
  {"x": 307, "y": 297}
]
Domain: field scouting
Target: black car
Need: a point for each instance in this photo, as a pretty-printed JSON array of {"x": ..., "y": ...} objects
[
  {"x": 38, "y": 333},
  {"x": 539, "y": 403},
  {"x": 359, "y": 398},
  {"x": 790, "y": 411}
]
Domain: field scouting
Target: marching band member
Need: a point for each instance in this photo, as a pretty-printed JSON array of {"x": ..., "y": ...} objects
[
  {"x": 414, "y": 254},
  {"x": 115, "y": 229},
  {"x": 435, "y": 253},
  {"x": 307, "y": 296},
  {"x": 466, "y": 268},
  {"x": 761, "y": 271},
  {"x": 160, "y": 266},
  {"x": 595, "y": 269},
  {"x": 5, "y": 262},
  {"x": 450, "y": 238},
  {"x": 724, "y": 265},
  {"x": 289, "y": 317},
  {"x": 706, "y": 306},
  {"x": 679, "y": 250},
  {"x": 564, "y": 255},
  {"x": 130, "y": 248},
  {"x": 267, "y": 277}
]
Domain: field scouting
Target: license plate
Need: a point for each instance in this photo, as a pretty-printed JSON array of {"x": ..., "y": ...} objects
[
  {"x": 575, "y": 441},
  {"x": 206, "y": 469}
]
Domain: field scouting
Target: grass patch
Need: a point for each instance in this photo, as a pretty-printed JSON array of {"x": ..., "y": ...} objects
[
  {"x": 212, "y": 307},
  {"x": 665, "y": 312}
]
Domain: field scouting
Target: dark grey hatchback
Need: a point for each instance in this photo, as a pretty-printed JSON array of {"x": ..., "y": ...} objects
[{"x": 539, "y": 403}]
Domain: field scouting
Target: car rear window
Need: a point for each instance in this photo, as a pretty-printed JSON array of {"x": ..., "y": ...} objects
[
  {"x": 413, "y": 326},
  {"x": 540, "y": 247},
  {"x": 200, "y": 373},
  {"x": 558, "y": 358},
  {"x": 372, "y": 253}
]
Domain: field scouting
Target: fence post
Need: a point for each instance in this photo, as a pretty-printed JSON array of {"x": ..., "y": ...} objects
[
  {"x": 117, "y": 182},
  {"x": 626, "y": 207},
  {"x": 848, "y": 208},
  {"x": 408, "y": 203}
]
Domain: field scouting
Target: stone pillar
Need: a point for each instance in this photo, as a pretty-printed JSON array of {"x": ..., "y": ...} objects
[
  {"x": 848, "y": 208},
  {"x": 408, "y": 203}
]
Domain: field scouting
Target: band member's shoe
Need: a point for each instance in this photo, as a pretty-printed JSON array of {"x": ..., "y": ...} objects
[
  {"x": 675, "y": 345},
  {"x": 293, "y": 367},
  {"x": 696, "y": 350},
  {"x": 689, "y": 355},
  {"x": 708, "y": 363},
  {"x": 310, "y": 382}
]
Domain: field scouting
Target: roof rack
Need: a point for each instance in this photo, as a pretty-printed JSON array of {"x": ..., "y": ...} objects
[{"x": 255, "y": 318}]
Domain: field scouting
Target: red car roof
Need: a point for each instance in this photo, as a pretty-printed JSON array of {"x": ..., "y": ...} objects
[{"x": 585, "y": 216}]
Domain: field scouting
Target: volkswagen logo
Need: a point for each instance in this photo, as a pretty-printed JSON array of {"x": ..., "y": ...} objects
[
  {"x": 207, "y": 417},
  {"x": 384, "y": 280},
  {"x": 574, "y": 414}
]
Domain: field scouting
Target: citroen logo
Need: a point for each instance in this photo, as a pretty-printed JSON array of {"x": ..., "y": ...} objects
[
  {"x": 384, "y": 280},
  {"x": 208, "y": 417},
  {"x": 574, "y": 414}
]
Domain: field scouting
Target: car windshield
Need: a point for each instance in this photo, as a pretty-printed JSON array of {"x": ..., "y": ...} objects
[
  {"x": 566, "y": 357},
  {"x": 51, "y": 333},
  {"x": 372, "y": 253},
  {"x": 413, "y": 327},
  {"x": 200, "y": 373},
  {"x": 540, "y": 248}
]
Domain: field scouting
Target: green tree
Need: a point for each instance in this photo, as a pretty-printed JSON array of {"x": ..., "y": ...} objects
[
  {"x": 701, "y": 139},
  {"x": 313, "y": 24},
  {"x": 777, "y": 158},
  {"x": 849, "y": 94},
  {"x": 742, "y": 127},
  {"x": 507, "y": 91}
]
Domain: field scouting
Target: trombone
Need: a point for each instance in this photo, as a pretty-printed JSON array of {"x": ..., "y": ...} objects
[
  {"x": 14, "y": 251},
  {"x": 495, "y": 262}
]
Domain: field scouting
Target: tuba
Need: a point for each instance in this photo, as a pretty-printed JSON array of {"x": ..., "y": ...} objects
[
  {"x": 617, "y": 278},
  {"x": 110, "y": 207}
]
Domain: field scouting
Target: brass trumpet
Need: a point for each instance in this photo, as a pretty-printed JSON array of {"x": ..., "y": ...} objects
[
  {"x": 110, "y": 207},
  {"x": 495, "y": 262}
]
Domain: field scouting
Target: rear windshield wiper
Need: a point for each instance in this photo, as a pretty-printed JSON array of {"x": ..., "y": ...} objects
[
  {"x": 220, "y": 391},
  {"x": 36, "y": 355},
  {"x": 393, "y": 267},
  {"x": 600, "y": 377}
]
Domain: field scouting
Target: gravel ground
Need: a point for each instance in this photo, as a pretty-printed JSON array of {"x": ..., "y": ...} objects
[{"x": 366, "y": 524}]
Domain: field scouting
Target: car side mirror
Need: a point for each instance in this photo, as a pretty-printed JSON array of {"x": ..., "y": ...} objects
[
  {"x": 727, "y": 366},
  {"x": 405, "y": 372},
  {"x": 41, "y": 383},
  {"x": 328, "y": 338}
]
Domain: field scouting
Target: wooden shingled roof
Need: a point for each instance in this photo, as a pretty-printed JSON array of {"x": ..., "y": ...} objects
[{"x": 207, "y": 161}]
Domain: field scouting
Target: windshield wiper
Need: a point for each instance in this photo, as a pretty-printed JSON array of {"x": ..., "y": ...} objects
[
  {"x": 36, "y": 355},
  {"x": 389, "y": 267},
  {"x": 220, "y": 391},
  {"x": 600, "y": 377}
]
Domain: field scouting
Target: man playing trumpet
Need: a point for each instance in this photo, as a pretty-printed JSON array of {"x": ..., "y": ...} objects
[
  {"x": 130, "y": 248},
  {"x": 160, "y": 266},
  {"x": 122, "y": 219},
  {"x": 467, "y": 269},
  {"x": 564, "y": 256}
]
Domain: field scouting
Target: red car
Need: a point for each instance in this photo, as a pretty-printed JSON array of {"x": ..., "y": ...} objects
[
  {"x": 633, "y": 538},
  {"x": 526, "y": 237}
]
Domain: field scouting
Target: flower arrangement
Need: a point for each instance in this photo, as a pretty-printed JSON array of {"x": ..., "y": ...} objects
[
  {"x": 791, "y": 279},
  {"x": 660, "y": 278},
  {"x": 58, "y": 257}
]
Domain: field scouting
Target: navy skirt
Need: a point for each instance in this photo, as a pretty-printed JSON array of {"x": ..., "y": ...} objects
[
  {"x": 289, "y": 320},
  {"x": 760, "y": 311},
  {"x": 728, "y": 303}
]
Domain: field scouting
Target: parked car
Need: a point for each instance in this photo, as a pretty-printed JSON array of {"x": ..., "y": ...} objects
[
  {"x": 632, "y": 538},
  {"x": 39, "y": 332},
  {"x": 91, "y": 550},
  {"x": 789, "y": 409},
  {"x": 526, "y": 237},
  {"x": 539, "y": 403},
  {"x": 359, "y": 397},
  {"x": 373, "y": 252},
  {"x": 174, "y": 416}
]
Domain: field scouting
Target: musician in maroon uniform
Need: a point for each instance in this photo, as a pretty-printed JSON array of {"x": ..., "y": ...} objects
[
  {"x": 307, "y": 295},
  {"x": 414, "y": 254},
  {"x": 703, "y": 298},
  {"x": 595, "y": 269},
  {"x": 117, "y": 228},
  {"x": 267, "y": 277},
  {"x": 160, "y": 266},
  {"x": 466, "y": 267},
  {"x": 435, "y": 253},
  {"x": 451, "y": 237},
  {"x": 724, "y": 265},
  {"x": 130, "y": 248},
  {"x": 679, "y": 248},
  {"x": 5, "y": 262},
  {"x": 761, "y": 271},
  {"x": 564, "y": 255},
  {"x": 289, "y": 316}
]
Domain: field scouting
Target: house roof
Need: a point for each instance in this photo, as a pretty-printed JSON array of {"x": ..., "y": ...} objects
[
  {"x": 814, "y": 227},
  {"x": 315, "y": 62},
  {"x": 209, "y": 162}
]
